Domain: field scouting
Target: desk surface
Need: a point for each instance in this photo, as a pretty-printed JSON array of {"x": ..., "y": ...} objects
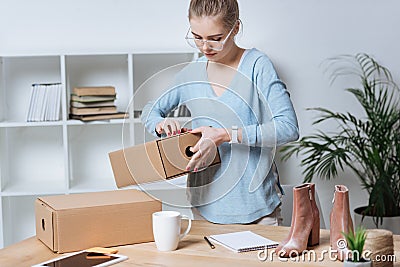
[{"x": 192, "y": 250}]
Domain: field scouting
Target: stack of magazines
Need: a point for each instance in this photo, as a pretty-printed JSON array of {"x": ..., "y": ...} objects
[{"x": 45, "y": 102}]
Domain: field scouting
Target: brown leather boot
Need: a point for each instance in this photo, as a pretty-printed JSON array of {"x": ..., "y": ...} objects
[
  {"x": 304, "y": 229},
  {"x": 340, "y": 221}
]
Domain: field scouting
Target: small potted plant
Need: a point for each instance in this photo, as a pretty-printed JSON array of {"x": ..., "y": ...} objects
[{"x": 355, "y": 244}]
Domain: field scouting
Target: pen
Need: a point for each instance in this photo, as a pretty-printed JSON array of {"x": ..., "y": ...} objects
[{"x": 209, "y": 243}]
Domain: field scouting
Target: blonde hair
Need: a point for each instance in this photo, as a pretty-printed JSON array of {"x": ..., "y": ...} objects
[{"x": 228, "y": 10}]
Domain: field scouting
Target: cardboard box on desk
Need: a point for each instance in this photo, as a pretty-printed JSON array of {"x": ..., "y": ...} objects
[
  {"x": 154, "y": 161},
  {"x": 79, "y": 221}
]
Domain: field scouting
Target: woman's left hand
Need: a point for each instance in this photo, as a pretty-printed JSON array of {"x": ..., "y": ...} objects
[{"x": 206, "y": 148}]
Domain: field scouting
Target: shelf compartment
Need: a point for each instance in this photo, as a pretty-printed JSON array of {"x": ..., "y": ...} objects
[
  {"x": 47, "y": 188},
  {"x": 34, "y": 160},
  {"x": 18, "y": 218},
  {"x": 89, "y": 145},
  {"x": 18, "y": 75},
  {"x": 99, "y": 70},
  {"x": 141, "y": 134}
]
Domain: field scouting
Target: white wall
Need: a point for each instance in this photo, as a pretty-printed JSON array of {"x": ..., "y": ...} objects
[{"x": 297, "y": 35}]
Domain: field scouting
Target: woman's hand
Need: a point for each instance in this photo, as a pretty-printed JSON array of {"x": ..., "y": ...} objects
[
  {"x": 169, "y": 127},
  {"x": 206, "y": 148}
]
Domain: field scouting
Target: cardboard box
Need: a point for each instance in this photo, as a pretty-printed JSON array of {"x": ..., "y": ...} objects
[
  {"x": 154, "y": 161},
  {"x": 79, "y": 221}
]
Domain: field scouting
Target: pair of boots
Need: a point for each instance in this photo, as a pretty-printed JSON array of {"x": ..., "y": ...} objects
[{"x": 305, "y": 222}]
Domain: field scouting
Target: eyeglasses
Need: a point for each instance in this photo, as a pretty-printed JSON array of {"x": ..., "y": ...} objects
[{"x": 199, "y": 42}]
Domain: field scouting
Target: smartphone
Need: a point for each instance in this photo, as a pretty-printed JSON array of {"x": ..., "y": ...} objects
[{"x": 83, "y": 259}]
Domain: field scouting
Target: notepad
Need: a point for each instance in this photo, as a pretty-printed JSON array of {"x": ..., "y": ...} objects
[{"x": 243, "y": 241}]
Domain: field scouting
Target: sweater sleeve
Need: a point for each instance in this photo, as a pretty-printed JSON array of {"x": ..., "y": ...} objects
[
  {"x": 281, "y": 126},
  {"x": 155, "y": 111}
]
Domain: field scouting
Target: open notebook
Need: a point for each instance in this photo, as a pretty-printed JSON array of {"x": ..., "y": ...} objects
[{"x": 243, "y": 241}]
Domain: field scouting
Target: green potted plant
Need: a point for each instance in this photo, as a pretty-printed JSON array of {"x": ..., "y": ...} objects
[
  {"x": 369, "y": 145},
  {"x": 355, "y": 244}
]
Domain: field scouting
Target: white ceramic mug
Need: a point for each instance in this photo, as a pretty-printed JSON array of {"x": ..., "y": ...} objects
[{"x": 167, "y": 229}]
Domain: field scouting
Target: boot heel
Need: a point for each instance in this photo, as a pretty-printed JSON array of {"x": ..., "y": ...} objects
[
  {"x": 305, "y": 222},
  {"x": 313, "y": 238}
]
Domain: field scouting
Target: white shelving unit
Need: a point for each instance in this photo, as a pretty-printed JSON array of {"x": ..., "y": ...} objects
[{"x": 65, "y": 156}]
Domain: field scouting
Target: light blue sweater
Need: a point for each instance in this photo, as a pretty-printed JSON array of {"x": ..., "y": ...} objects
[{"x": 242, "y": 188}]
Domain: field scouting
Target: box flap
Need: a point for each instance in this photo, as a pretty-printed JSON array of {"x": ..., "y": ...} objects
[
  {"x": 174, "y": 152},
  {"x": 44, "y": 223},
  {"x": 96, "y": 199},
  {"x": 175, "y": 155}
]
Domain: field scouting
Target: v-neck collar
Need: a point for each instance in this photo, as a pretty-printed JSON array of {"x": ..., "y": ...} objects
[{"x": 245, "y": 52}]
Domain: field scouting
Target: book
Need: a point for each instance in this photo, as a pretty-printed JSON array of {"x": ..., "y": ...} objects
[
  {"x": 137, "y": 113},
  {"x": 49, "y": 100},
  {"x": 184, "y": 111},
  {"x": 180, "y": 111},
  {"x": 243, "y": 241},
  {"x": 32, "y": 104},
  {"x": 89, "y": 98},
  {"x": 57, "y": 108},
  {"x": 46, "y": 102},
  {"x": 54, "y": 101},
  {"x": 94, "y": 91},
  {"x": 93, "y": 111},
  {"x": 40, "y": 102},
  {"x": 119, "y": 115},
  {"x": 78, "y": 104}
]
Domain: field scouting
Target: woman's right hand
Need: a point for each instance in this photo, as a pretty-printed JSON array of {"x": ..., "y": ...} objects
[{"x": 169, "y": 127}]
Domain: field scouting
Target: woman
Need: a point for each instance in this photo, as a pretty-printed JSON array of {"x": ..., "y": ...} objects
[{"x": 240, "y": 107}]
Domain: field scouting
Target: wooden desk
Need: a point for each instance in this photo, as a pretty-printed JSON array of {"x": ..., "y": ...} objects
[{"x": 193, "y": 250}]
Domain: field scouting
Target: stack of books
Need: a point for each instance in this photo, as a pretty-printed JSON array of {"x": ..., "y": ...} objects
[
  {"x": 45, "y": 102},
  {"x": 94, "y": 103}
]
